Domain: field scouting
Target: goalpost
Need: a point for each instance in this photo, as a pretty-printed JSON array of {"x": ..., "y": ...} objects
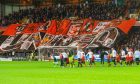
[{"x": 43, "y": 51}]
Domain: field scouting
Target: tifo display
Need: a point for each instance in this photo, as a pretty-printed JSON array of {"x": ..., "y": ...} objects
[{"x": 64, "y": 33}]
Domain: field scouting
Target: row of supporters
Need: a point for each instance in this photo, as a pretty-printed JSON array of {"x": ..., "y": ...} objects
[{"x": 69, "y": 27}]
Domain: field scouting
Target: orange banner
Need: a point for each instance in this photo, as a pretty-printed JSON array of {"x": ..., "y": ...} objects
[
  {"x": 53, "y": 27},
  {"x": 44, "y": 26},
  {"x": 11, "y": 30},
  {"x": 87, "y": 26},
  {"x": 31, "y": 28},
  {"x": 126, "y": 25},
  {"x": 64, "y": 27}
]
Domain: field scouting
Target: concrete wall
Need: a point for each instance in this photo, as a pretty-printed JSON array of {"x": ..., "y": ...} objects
[{"x": 9, "y": 8}]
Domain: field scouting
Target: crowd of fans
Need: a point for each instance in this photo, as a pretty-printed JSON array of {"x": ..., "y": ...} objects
[
  {"x": 97, "y": 11},
  {"x": 134, "y": 6},
  {"x": 131, "y": 40}
]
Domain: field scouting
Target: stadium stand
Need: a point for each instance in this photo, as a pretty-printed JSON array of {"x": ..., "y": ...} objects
[
  {"x": 107, "y": 11},
  {"x": 97, "y": 11},
  {"x": 131, "y": 40}
]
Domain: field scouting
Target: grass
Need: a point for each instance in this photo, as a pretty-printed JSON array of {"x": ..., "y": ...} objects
[{"x": 46, "y": 73}]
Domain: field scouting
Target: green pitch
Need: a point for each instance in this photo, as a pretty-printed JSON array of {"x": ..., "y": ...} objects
[{"x": 46, "y": 73}]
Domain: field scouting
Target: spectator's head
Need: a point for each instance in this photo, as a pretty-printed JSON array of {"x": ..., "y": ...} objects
[{"x": 89, "y": 50}]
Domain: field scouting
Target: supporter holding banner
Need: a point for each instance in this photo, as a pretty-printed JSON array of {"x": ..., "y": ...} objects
[
  {"x": 37, "y": 39},
  {"x": 47, "y": 38}
]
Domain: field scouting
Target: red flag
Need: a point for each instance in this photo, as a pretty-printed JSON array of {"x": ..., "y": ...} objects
[
  {"x": 11, "y": 30},
  {"x": 31, "y": 28},
  {"x": 53, "y": 27},
  {"x": 64, "y": 27},
  {"x": 126, "y": 25}
]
